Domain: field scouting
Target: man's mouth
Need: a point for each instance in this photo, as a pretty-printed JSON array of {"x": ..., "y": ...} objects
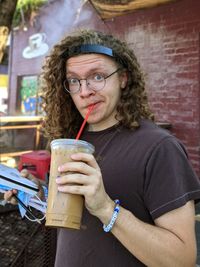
[{"x": 94, "y": 104}]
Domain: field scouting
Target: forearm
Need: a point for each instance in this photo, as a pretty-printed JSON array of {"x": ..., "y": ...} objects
[{"x": 152, "y": 245}]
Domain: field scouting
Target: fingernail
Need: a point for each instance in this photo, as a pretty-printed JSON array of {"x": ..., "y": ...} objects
[{"x": 57, "y": 180}]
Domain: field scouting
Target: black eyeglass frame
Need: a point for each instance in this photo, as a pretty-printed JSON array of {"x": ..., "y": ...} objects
[{"x": 78, "y": 90}]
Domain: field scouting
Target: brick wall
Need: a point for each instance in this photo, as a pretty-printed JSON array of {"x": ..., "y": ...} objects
[{"x": 166, "y": 42}]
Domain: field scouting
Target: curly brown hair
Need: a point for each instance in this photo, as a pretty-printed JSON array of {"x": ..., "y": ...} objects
[{"x": 62, "y": 119}]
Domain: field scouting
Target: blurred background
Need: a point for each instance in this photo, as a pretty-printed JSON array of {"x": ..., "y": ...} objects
[{"x": 165, "y": 35}]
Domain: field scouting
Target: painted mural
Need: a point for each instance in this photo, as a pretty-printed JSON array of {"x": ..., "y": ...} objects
[{"x": 30, "y": 99}]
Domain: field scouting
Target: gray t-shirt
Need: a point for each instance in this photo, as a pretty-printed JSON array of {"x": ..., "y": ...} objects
[{"x": 148, "y": 171}]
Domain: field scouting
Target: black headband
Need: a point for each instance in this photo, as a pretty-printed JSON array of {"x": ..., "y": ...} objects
[{"x": 88, "y": 48}]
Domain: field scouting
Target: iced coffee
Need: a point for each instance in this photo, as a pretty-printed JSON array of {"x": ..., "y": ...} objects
[{"x": 64, "y": 209}]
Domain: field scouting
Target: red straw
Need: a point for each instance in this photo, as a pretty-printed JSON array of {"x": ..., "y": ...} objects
[{"x": 84, "y": 122}]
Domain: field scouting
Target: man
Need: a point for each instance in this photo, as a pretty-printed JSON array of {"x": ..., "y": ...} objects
[{"x": 139, "y": 187}]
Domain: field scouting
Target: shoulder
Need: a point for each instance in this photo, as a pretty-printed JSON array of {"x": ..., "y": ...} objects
[
  {"x": 150, "y": 134},
  {"x": 150, "y": 127},
  {"x": 160, "y": 138}
]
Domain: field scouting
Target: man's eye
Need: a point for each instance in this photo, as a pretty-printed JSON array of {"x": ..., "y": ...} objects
[
  {"x": 73, "y": 81},
  {"x": 97, "y": 77}
]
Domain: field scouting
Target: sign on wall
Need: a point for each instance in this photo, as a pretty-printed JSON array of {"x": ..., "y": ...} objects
[
  {"x": 37, "y": 46},
  {"x": 30, "y": 98}
]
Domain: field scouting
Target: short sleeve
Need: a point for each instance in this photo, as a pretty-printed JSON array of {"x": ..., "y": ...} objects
[{"x": 170, "y": 181}]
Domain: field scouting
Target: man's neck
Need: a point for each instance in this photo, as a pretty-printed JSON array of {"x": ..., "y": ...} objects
[{"x": 98, "y": 128}]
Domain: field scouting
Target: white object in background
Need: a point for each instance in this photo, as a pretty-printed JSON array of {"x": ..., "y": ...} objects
[
  {"x": 11, "y": 177},
  {"x": 37, "y": 46}
]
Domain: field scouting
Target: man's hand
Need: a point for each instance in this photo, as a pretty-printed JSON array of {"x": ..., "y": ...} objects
[
  {"x": 8, "y": 196},
  {"x": 83, "y": 176}
]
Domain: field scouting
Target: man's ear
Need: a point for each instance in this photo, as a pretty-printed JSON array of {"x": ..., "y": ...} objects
[
  {"x": 123, "y": 84},
  {"x": 124, "y": 79}
]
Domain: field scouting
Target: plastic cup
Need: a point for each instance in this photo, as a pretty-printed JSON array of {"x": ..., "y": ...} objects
[{"x": 64, "y": 209}]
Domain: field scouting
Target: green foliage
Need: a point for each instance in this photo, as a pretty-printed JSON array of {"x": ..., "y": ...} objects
[{"x": 25, "y": 8}]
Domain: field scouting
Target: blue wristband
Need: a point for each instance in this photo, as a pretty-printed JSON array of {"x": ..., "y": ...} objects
[{"x": 108, "y": 227}]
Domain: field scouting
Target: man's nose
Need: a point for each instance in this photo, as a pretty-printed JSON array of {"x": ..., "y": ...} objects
[{"x": 84, "y": 89}]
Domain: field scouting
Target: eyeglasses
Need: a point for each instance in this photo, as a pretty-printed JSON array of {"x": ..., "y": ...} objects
[{"x": 95, "y": 82}]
